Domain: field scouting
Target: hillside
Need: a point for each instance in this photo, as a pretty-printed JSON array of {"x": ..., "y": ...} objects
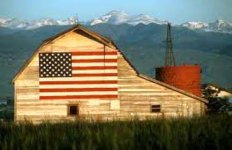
[{"x": 142, "y": 44}]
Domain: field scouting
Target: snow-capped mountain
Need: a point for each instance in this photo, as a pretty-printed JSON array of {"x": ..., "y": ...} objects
[
  {"x": 115, "y": 18},
  {"x": 11, "y": 22},
  {"x": 195, "y": 25},
  {"x": 22, "y": 24},
  {"x": 217, "y": 26},
  {"x": 120, "y": 17},
  {"x": 221, "y": 26},
  {"x": 3, "y": 21}
]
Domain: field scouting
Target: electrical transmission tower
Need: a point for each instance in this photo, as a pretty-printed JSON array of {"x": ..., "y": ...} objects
[{"x": 169, "y": 56}]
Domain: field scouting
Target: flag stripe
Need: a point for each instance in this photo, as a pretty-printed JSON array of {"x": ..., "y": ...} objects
[
  {"x": 61, "y": 86},
  {"x": 95, "y": 57},
  {"x": 94, "y": 74},
  {"x": 78, "y": 82},
  {"x": 95, "y": 53},
  {"x": 94, "y": 67},
  {"x": 93, "y": 60},
  {"x": 77, "y": 93},
  {"x": 80, "y": 79},
  {"x": 95, "y": 71},
  {"x": 102, "y": 64},
  {"x": 78, "y": 90},
  {"x": 77, "y": 97}
]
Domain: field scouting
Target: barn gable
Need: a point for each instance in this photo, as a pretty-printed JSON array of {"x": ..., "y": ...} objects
[
  {"x": 128, "y": 92},
  {"x": 76, "y": 32}
]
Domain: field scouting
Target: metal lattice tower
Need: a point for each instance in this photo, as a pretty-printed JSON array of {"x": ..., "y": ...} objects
[{"x": 169, "y": 56}]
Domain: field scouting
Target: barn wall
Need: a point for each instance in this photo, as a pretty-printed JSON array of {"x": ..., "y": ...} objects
[
  {"x": 135, "y": 94},
  {"x": 28, "y": 105}
]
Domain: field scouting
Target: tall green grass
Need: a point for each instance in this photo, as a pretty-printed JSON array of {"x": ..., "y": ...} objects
[{"x": 208, "y": 132}]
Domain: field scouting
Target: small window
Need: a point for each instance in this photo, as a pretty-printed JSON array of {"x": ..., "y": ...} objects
[
  {"x": 73, "y": 110},
  {"x": 155, "y": 108}
]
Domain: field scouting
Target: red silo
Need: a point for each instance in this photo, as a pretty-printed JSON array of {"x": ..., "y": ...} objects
[{"x": 185, "y": 77}]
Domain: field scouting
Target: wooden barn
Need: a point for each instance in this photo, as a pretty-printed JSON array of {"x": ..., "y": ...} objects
[{"x": 81, "y": 74}]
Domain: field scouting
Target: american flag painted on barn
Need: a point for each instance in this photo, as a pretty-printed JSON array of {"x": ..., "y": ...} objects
[{"x": 78, "y": 75}]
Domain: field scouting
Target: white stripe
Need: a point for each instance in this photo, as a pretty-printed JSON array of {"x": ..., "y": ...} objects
[
  {"x": 79, "y": 78},
  {"x": 95, "y": 57},
  {"x": 138, "y": 90},
  {"x": 94, "y": 64},
  {"x": 90, "y": 49},
  {"x": 149, "y": 94},
  {"x": 77, "y": 93},
  {"x": 78, "y": 86},
  {"x": 95, "y": 71}
]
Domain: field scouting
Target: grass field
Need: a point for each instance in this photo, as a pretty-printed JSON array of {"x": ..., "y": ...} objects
[{"x": 208, "y": 132}]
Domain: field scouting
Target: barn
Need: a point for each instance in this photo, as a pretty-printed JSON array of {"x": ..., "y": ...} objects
[{"x": 79, "y": 74}]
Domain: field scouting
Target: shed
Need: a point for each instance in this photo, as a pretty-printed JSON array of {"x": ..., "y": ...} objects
[{"x": 81, "y": 74}]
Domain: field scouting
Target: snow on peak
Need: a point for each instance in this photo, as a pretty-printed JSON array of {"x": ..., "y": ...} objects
[
  {"x": 69, "y": 21},
  {"x": 3, "y": 21},
  {"x": 145, "y": 19},
  {"x": 113, "y": 17},
  {"x": 221, "y": 25},
  {"x": 22, "y": 24},
  {"x": 119, "y": 17},
  {"x": 217, "y": 26},
  {"x": 116, "y": 17},
  {"x": 221, "y": 22},
  {"x": 11, "y": 22},
  {"x": 195, "y": 25}
]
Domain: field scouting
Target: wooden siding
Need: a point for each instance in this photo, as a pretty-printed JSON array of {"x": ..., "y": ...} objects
[{"x": 135, "y": 94}]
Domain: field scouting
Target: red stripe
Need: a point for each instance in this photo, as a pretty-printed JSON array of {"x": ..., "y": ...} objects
[
  {"x": 94, "y": 74},
  {"x": 77, "y": 97},
  {"x": 79, "y": 90},
  {"x": 93, "y": 60},
  {"x": 95, "y": 53},
  {"x": 94, "y": 68},
  {"x": 78, "y": 82}
]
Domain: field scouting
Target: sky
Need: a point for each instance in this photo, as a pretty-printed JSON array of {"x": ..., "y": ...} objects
[{"x": 176, "y": 11}]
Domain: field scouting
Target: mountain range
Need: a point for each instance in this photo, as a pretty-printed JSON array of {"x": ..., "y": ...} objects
[
  {"x": 141, "y": 43},
  {"x": 116, "y": 18},
  {"x": 15, "y": 23},
  {"x": 119, "y": 17}
]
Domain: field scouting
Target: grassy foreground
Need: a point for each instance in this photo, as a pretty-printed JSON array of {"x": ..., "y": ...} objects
[{"x": 209, "y": 132}]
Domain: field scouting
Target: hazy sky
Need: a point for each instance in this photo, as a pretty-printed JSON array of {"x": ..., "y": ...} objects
[{"x": 177, "y": 11}]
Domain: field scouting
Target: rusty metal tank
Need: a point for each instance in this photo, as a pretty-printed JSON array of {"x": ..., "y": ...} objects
[{"x": 185, "y": 77}]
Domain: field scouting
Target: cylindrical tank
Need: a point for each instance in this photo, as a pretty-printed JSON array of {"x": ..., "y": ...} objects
[{"x": 185, "y": 77}]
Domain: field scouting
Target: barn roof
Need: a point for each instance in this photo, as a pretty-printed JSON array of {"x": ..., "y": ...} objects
[{"x": 107, "y": 42}]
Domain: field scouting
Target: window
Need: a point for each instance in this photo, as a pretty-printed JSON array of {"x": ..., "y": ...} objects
[
  {"x": 155, "y": 108},
  {"x": 73, "y": 110}
]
